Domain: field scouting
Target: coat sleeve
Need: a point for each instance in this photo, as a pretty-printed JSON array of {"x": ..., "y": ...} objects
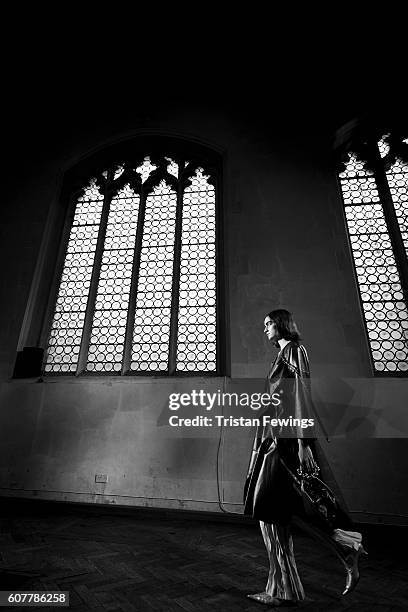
[
  {"x": 297, "y": 364},
  {"x": 304, "y": 413}
]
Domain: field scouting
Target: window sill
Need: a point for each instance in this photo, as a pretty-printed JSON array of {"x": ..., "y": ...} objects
[{"x": 104, "y": 379}]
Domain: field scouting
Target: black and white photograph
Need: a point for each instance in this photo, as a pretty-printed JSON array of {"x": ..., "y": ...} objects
[{"x": 204, "y": 337}]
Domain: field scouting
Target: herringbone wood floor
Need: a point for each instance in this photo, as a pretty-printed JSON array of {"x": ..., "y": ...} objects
[{"x": 110, "y": 559}]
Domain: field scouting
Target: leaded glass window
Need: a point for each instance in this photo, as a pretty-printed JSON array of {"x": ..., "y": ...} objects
[
  {"x": 397, "y": 178},
  {"x": 138, "y": 287},
  {"x": 376, "y": 204}
]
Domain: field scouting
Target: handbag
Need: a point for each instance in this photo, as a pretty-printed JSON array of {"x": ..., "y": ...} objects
[{"x": 319, "y": 502}]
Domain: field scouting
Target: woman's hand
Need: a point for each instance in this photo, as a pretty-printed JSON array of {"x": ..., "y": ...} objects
[{"x": 306, "y": 459}]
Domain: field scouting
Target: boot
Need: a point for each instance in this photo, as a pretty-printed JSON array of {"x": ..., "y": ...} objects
[{"x": 350, "y": 562}]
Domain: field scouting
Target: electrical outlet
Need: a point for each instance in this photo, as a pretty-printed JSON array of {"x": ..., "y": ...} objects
[{"x": 101, "y": 478}]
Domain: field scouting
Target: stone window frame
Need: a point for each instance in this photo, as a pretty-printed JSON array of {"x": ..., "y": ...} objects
[
  {"x": 364, "y": 142},
  {"x": 41, "y": 302}
]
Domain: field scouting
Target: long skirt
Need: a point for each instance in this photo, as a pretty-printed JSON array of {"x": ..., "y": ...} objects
[
  {"x": 270, "y": 497},
  {"x": 283, "y": 579}
]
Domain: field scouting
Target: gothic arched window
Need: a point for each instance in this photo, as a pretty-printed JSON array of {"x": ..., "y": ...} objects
[
  {"x": 376, "y": 206},
  {"x": 137, "y": 289}
]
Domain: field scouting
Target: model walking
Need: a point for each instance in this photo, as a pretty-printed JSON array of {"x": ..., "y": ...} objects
[{"x": 272, "y": 493}]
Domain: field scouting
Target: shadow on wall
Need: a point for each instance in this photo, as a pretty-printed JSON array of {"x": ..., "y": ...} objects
[{"x": 362, "y": 407}]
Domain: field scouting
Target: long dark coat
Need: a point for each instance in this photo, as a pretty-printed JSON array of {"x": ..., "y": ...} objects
[{"x": 269, "y": 494}]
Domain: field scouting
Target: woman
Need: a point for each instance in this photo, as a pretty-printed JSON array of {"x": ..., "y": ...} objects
[{"x": 272, "y": 492}]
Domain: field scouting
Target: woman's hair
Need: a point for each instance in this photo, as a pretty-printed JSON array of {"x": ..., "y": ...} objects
[{"x": 286, "y": 326}]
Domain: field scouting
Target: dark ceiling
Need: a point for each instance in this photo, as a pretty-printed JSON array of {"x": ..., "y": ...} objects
[{"x": 47, "y": 104}]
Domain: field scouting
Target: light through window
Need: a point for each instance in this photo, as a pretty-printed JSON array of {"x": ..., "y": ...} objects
[
  {"x": 375, "y": 239},
  {"x": 138, "y": 290}
]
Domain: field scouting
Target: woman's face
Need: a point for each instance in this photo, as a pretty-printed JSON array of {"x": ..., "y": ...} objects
[{"x": 270, "y": 329}]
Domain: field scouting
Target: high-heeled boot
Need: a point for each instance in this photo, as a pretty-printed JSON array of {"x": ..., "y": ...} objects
[
  {"x": 349, "y": 550},
  {"x": 350, "y": 562},
  {"x": 347, "y": 545}
]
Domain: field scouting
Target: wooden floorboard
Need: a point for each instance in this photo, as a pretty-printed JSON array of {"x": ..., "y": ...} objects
[{"x": 147, "y": 562}]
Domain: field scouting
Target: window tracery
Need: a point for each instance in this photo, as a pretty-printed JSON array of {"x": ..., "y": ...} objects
[
  {"x": 374, "y": 185},
  {"x": 138, "y": 289}
]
